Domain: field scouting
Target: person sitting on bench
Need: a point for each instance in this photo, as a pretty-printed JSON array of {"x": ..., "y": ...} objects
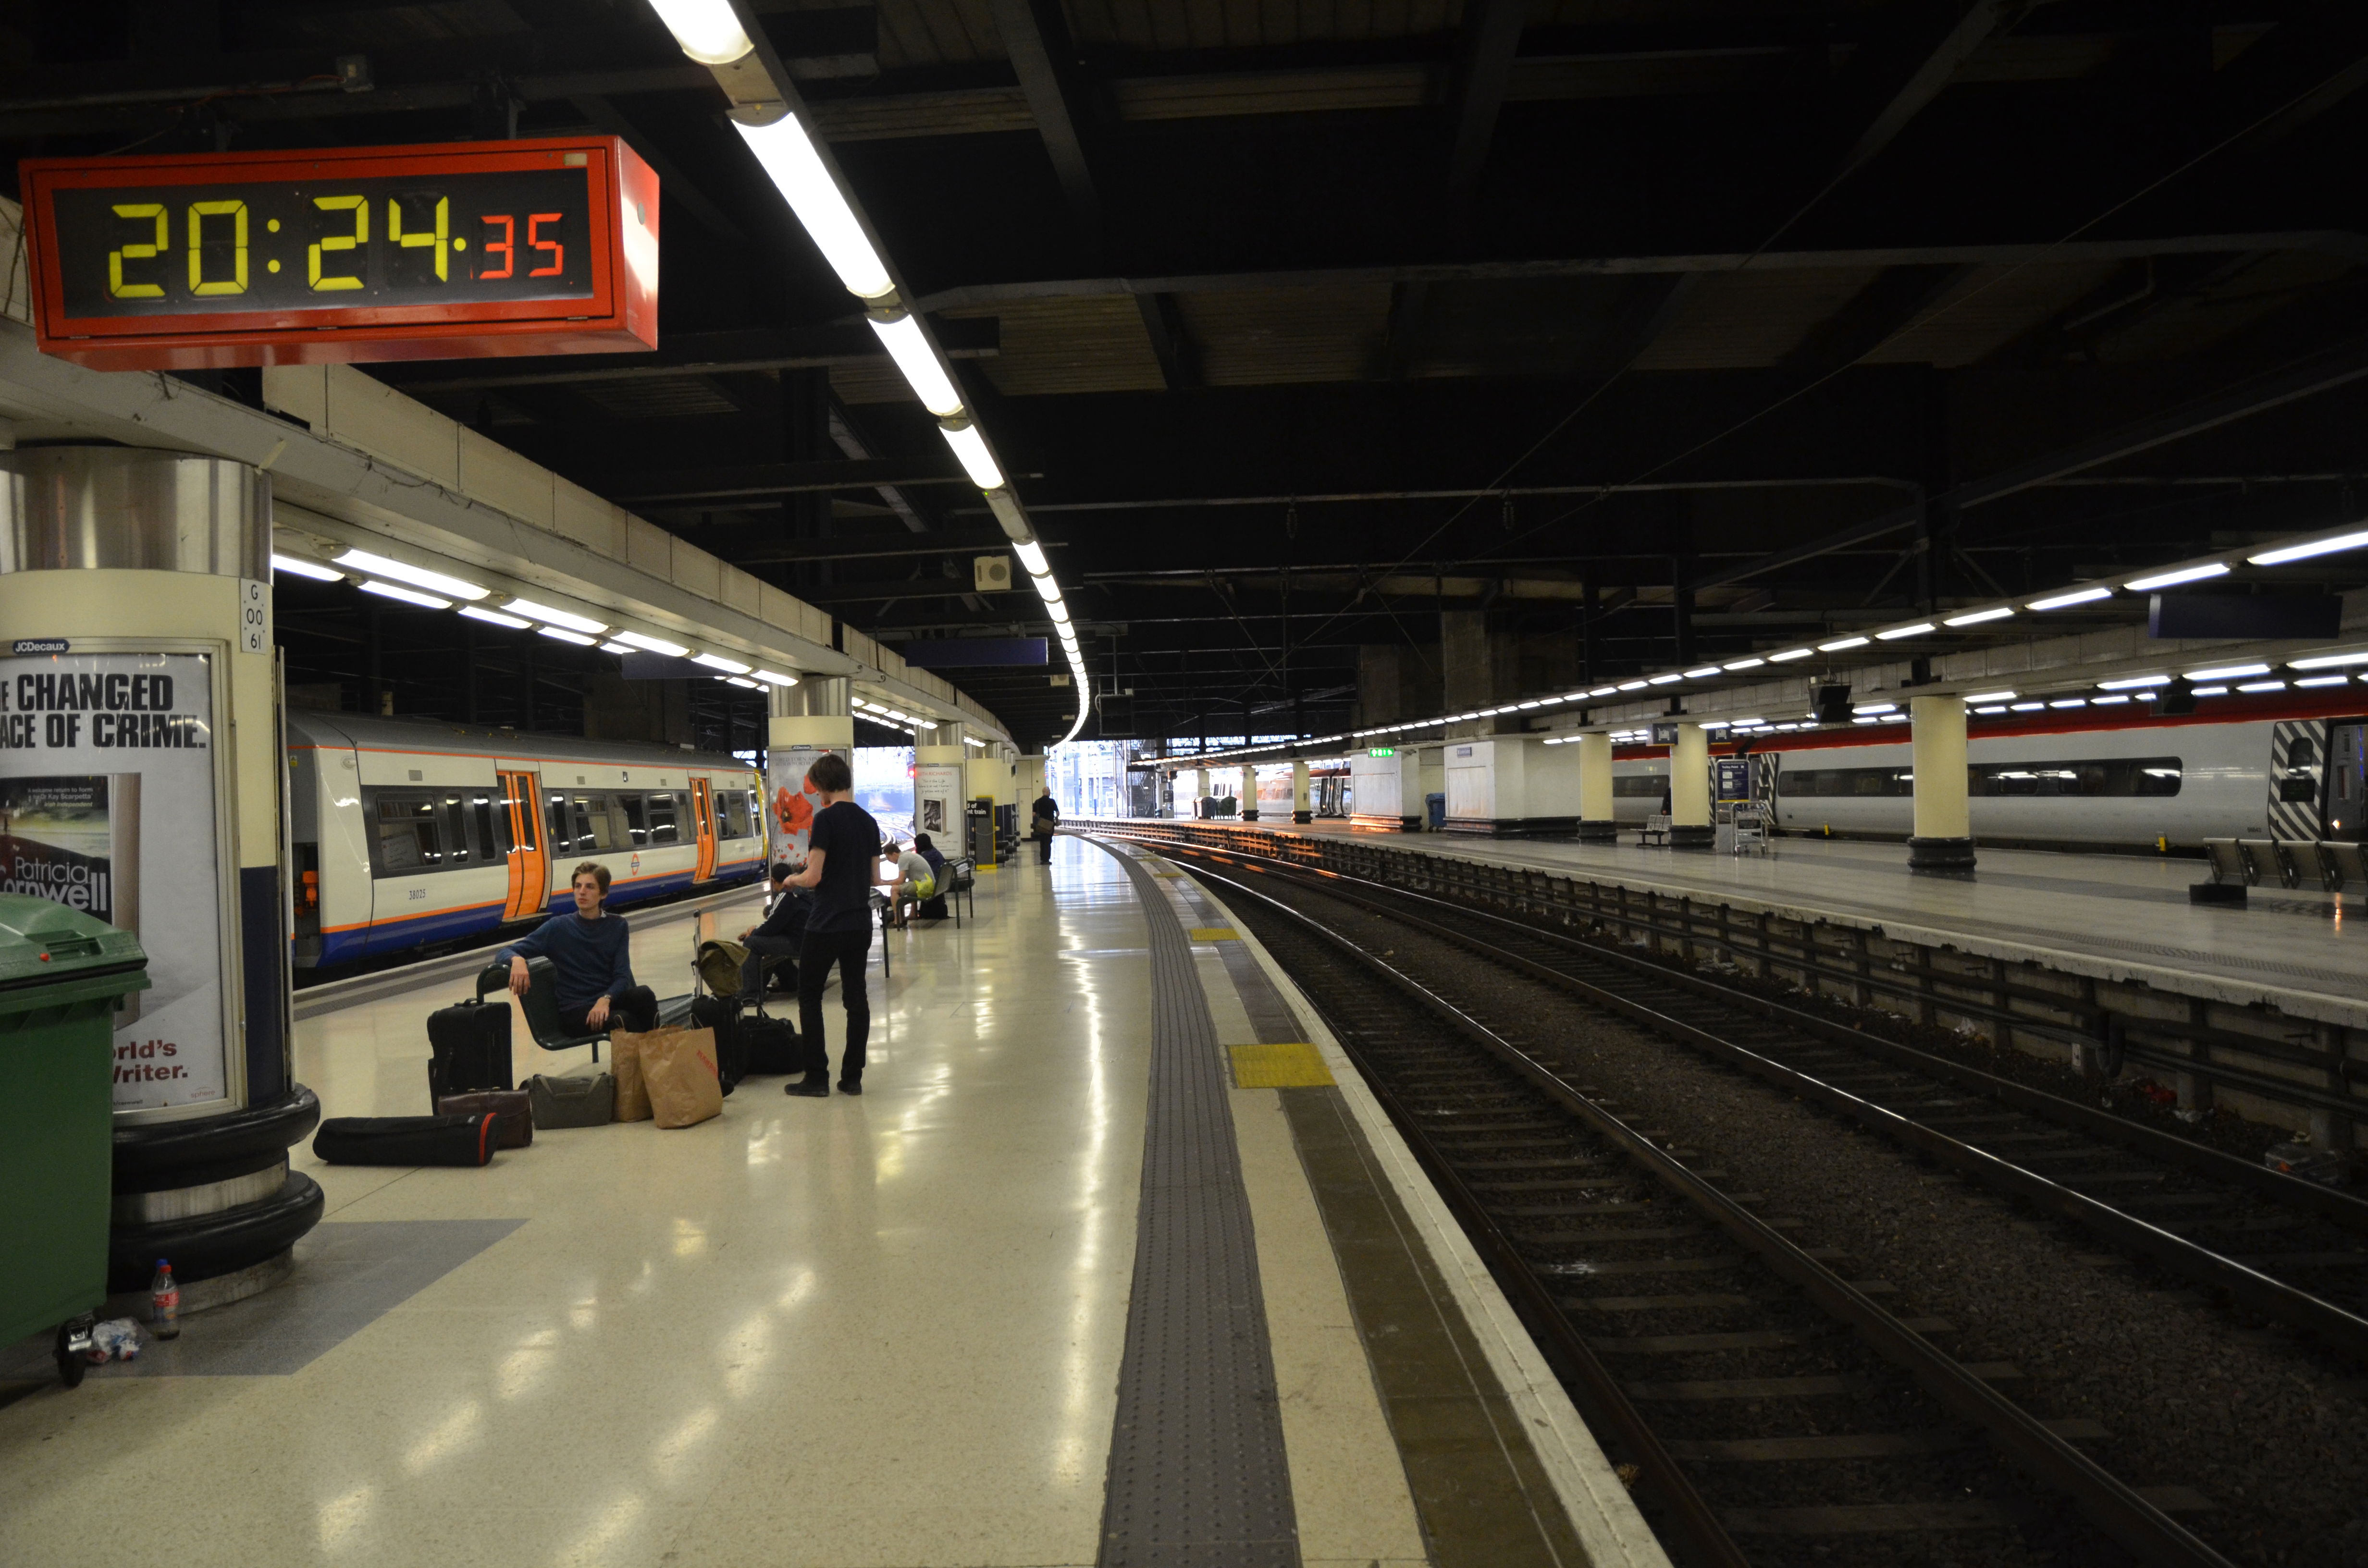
[
  {"x": 591, "y": 967},
  {"x": 934, "y": 906},
  {"x": 776, "y": 942}
]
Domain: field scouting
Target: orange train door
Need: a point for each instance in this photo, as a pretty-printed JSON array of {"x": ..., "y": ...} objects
[
  {"x": 703, "y": 815},
  {"x": 530, "y": 863}
]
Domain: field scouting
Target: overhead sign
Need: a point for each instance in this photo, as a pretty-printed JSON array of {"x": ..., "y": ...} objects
[
  {"x": 1381, "y": 751},
  {"x": 344, "y": 253}
]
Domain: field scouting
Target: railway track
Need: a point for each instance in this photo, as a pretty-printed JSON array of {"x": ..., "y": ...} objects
[{"x": 1775, "y": 1409}]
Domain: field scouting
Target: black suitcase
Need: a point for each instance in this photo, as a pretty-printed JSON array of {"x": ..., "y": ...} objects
[
  {"x": 409, "y": 1140},
  {"x": 469, "y": 1045},
  {"x": 721, "y": 1013},
  {"x": 771, "y": 1046}
]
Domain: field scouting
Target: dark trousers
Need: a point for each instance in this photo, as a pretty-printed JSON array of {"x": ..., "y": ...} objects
[
  {"x": 847, "y": 950},
  {"x": 1044, "y": 845},
  {"x": 768, "y": 954},
  {"x": 634, "y": 1010}
]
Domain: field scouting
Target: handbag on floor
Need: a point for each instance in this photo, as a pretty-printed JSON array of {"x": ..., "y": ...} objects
[
  {"x": 572, "y": 1102},
  {"x": 512, "y": 1105},
  {"x": 409, "y": 1140},
  {"x": 678, "y": 1068},
  {"x": 771, "y": 1046},
  {"x": 632, "y": 1099}
]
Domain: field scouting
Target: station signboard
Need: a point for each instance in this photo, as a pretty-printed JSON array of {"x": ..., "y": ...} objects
[{"x": 340, "y": 254}]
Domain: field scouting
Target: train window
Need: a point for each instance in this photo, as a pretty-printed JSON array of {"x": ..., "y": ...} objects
[
  {"x": 594, "y": 826},
  {"x": 661, "y": 815},
  {"x": 1635, "y": 785},
  {"x": 409, "y": 837},
  {"x": 637, "y": 822},
  {"x": 456, "y": 832},
  {"x": 2103, "y": 778},
  {"x": 731, "y": 813},
  {"x": 493, "y": 826}
]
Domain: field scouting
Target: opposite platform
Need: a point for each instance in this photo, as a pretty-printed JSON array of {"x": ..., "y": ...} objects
[{"x": 899, "y": 1329}]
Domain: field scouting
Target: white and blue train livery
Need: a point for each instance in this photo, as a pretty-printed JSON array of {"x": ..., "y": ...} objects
[{"x": 409, "y": 833}]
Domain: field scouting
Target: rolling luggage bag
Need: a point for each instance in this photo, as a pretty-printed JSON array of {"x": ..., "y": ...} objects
[
  {"x": 510, "y": 1104},
  {"x": 470, "y": 1048},
  {"x": 769, "y": 1046},
  {"x": 409, "y": 1140},
  {"x": 721, "y": 1015},
  {"x": 572, "y": 1102}
]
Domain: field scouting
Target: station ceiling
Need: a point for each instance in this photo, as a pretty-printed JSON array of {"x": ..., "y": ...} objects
[{"x": 1661, "y": 332}]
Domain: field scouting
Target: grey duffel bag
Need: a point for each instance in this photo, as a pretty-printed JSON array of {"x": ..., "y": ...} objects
[{"x": 572, "y": 1102}]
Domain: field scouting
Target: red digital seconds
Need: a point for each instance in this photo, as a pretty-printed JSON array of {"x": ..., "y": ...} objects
[{"x": 507, "y": 244}]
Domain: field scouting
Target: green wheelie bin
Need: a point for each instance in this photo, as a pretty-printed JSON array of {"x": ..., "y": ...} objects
[{"x": 62, "y": 974}]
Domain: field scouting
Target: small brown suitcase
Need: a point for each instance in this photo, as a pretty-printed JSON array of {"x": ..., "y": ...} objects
[{"x": 510, "y": 1104}]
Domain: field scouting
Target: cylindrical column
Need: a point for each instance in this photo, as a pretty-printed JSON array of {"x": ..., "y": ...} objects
[
  {"x": 1690, "y": 824},
  {"x": 807, "y": 720},
  {"x": 1303, "y": 807},
  {"x": 1595, "y": 819},
  {"x": 141, "y": 783},
  {"x": 938, "y": 787},
  {"x": 1249, "y": 801},
  {"x": 1188, "y": 791},
  {"x": 1943, "y": 841}
]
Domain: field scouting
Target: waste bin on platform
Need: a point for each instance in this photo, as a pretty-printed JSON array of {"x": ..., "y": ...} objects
[{"x": 62, "y": 974}]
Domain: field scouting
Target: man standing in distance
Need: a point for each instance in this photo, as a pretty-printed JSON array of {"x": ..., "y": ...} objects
[
  {"x": 1047, "y": 815},
  {"x": 842, "y": 867}
]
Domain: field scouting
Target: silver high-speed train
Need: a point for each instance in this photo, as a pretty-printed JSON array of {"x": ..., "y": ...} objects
[
  {"x": 2135, "y": 783},
  {"x": 406, "y": 834}
]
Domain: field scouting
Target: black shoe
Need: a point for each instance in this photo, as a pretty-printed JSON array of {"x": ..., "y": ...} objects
[
  {"x": 814, "y": 1086},
  {"x": 850, "y": 1086}
]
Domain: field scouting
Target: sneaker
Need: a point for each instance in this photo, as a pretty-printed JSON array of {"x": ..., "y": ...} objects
[
  {"x": 816, "y": 1087},
  {"x": 850, "y": 1086}
]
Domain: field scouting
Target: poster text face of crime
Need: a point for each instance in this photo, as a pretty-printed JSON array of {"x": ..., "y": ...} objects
[{"x": 106, "y": 805}]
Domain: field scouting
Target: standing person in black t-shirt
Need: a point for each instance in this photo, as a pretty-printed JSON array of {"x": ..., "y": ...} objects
[{"x": 842, "y": 867}]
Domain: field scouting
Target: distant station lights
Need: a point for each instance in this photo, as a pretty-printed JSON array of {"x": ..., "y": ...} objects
[
  {"x": 771, "y": 121},
  {"x": 2317, "y": 670}
]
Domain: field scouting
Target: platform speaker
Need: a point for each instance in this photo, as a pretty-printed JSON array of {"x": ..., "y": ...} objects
[{"x": 140, "y": 784}]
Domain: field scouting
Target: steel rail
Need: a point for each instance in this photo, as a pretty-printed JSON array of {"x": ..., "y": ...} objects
[
  {"x": 2112, "y": 1503},
  {"x": 2331, "y": 1325}
]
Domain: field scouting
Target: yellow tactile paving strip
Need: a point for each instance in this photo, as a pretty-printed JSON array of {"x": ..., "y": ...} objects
[{"x": 1294, "y": 1065}]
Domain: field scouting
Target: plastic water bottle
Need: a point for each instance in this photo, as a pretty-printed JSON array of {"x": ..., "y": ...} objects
[{"x": 165, "y": 1304}]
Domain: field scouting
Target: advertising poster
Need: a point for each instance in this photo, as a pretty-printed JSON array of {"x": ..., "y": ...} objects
[
  {"x": 107, "y": 806},
  {"x": 794, "y": 805},
  {"x": 937, "y": 804}
]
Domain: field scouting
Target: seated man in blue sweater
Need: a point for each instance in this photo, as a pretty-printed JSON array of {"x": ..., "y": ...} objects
[{"x": 590, "y": 965}]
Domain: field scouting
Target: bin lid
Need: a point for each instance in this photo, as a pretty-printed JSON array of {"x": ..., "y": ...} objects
[{"x": 42, "y": 940}]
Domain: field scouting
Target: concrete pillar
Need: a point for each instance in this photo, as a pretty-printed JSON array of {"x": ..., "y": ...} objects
[
  {"x": 1188, "y": 791},
  {"x": 1303, "y": 808},
  {"x": 1943, "y": 842},
  {"x": 1689, "y": 823},
  {"x": 802, "y": 722},
  {"x": 1480, "y": 667},
  {"x": 126, "y": 571},
  {"x": 1595, "y": 818},
  {"x": 938, "y": 758},
  {"x": 1249, "y": 807}
]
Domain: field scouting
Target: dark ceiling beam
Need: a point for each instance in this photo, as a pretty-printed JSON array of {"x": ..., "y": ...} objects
[
  {"x": 2320, "y": 373},
  {"x": 1475, "y": 91},
  {"x": 953, "y": 542},
  {"x": 1043, "y": 56},
  {"x": 1895, "y": 300},
  {"x": 2349, "y": 245},
  {"x": 762, "y": 480},
  {"x": 1900, "y": 74},
  {"x": 1171, "y": 341},
  {"x": 712, "y": 352}
]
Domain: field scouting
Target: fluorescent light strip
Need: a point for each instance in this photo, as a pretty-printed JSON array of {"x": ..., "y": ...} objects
[
  {"x": 907, "y": 344},
  {"x": 496, "y": 618},
  {"x": 718, "y": 662},
  {"x": 1032, "y": 558},
  {"x": 1919, "y": 629},
  {"x": 654, "y": 644},
  {"x": 787, "y": 154},
  {"x": 2172, "y": 579},
  {"x": 1876, "y": 708},
  {"x": 1663, "y": 680},
  {"x": 706, "y": 30},
  {"x": 2101, "y": 701},
  {"x": 2285, "y": 553},
  {"x": 2324, "y": 681},
  {"x": 1702, "y": 673},
  {"x": 1840, "y": 643},
  {"x": 1790, "y": 654},
  {"x": 1744, "y": 664},
  {"x": 417, "y": 576},
  {"x": 2264, "y": 686},
  {"x": 1975, "y": 618},
  {"x": 2211, "y": 691},
  {"x": 773, "y": 677},
  {"x": 970, "y": 446},
  {"x": 1991, "y": 696},
  {"x": 2229, "y": 672},
  {"x": 561, "y": 634},
  {"x": 2077, "y": 597},
  {"x": 303, "y": 568},
  {"x": 613, "y": 646},
  {"x": 408, "y": 596},
  {"x": 566, "y": 617},
  {"x": 2326, "y": 661},
  {"x": 2133, "y": 682}
]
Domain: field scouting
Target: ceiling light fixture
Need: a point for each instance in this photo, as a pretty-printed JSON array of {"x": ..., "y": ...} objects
[
  {"x": 774, "y": 677},
  {"x": 787, "y": 154},
  {"x": 1702, "y": 673},
  {"x": 970, "y": 446},
  {"x": 654, "y": 644},
  {"x": 1788, "y": 654},
  {"x": 2172, "y": 579},
  {"x": 2133, "y": 682},
  {"x": 496, "y": 618},
  {"x": 1975, "y": 618},
  {"x": 718, "y": 662},
  {"x": 417, "y": 576},
  {"x": 303, "y": 568},
  {"x": 560, "y": 634},
  {"x": 2285, "y": 553},
  {"x": 1919, "y": 629},
  {"x": 2077, "y": 597},
  {"x": 708, "y": 30},
  {"x": 1840, "y": 643},
  {"x": 566, "y": 617},
  {"x": 1991, "y": 696},
  {"x": 1744, "y": 664},
  {"x": 615, "y": 647},
  {"x": 2326, "y": 661},
  {"x": 902, "y": 337},
  {"x": 408, "y": 596},
  {"x": 1032, "y": 557},
  {"x": 2229, "y": 672}
]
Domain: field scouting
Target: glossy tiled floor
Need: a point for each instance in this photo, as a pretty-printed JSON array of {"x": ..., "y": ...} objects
[
  {"x": 882, "y": 1330},
  {"x": 2125, "y": 910}
]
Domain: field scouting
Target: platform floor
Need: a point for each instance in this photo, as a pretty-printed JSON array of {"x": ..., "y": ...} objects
[
  {"x": 892, "y": 1330},
  {"x": 2108, "y": 914}
]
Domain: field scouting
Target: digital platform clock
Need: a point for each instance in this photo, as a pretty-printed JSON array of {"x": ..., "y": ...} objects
[{"x": 346, "y": 254}]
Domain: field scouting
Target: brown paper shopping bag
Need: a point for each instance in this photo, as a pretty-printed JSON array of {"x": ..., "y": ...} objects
[
  {"x": 679, "y": 1071},
  {"x": 633, "y": 1096}
]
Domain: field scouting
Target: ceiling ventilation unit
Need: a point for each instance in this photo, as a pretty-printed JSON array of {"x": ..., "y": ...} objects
[{"x": 991, "y": 574}]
